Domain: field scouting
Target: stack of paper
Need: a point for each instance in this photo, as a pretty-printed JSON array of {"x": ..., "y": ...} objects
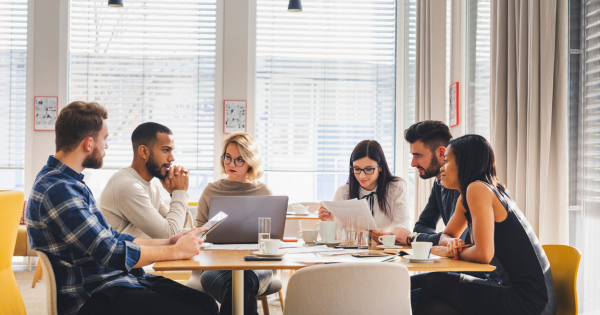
[{"x": 342, "y": 209}]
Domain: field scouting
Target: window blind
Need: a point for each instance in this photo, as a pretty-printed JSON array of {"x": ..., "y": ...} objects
[
  {"x": 478, "y": 67},
  {"x": 148, "y": 61},
  {"x": 13, "y": 57},
  {"x": 325, "y": 80},
  {"x": 590, "y": 111}
]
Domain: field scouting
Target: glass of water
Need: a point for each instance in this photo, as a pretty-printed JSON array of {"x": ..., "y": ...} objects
[
  {"x": 351, "y": 230},
  {"x": 264, "y": 229},
  {"x": 363, "y": 232}
]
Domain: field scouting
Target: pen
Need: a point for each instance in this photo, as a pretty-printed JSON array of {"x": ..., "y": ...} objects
[{"x": 463, "y": 246}]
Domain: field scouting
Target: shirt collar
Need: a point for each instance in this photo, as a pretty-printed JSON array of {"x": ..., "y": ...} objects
[{"x": 55, "y": 163}]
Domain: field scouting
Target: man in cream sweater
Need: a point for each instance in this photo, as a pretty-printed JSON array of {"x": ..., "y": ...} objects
[{"x": 131, "y": 202}]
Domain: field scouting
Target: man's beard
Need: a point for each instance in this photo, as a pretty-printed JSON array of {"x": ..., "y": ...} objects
[
  {"x": 155, "y": 169},
  {"x": 432, "y": 170},
  {"x": 94, "y": 160}
]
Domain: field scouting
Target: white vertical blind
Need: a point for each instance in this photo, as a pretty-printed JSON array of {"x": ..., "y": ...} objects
[
  {"x": 148, "y": 61},
  {"x": 590, "y": 126},
  {"x": 13, "y": 56},
  {"x": 585, "y": 209},
  {"x": 478, "y": 67},
  {"x": 325, "y": 80}
]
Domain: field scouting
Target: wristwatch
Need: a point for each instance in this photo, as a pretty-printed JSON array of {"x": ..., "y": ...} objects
[{"x": 411, "y": 238}]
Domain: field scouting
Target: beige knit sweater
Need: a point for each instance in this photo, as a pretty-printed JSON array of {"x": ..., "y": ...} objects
[
  {"x": 225, "y": 187},
  {"x": 134, "y": 206}
]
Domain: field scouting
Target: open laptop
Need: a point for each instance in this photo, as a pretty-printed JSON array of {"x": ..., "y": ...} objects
[{"x": 242, "y": 224}]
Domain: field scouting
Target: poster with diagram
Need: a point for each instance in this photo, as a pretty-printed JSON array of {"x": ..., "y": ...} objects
[
  {"x": 234, "y": 116},
  {"x": 46, "y": 111}
]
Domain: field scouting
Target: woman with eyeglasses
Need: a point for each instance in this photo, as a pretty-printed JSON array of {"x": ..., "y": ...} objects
[
  {"x": 242, "y": 163},
  {"x": 370, "y": 178}
]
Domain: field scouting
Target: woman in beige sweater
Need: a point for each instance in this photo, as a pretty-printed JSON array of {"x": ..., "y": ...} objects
[{"x": 242, "y": 163}]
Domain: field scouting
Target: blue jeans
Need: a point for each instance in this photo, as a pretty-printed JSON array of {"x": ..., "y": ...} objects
[{"x": 218, "y": 283}]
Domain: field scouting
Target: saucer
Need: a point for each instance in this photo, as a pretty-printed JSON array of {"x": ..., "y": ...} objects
[
  {"x": 319, "y": 242},
  {"x": 260, "y": 254},
  {"x": 432, "y": 258},
  {"x": 388, "y": 247}
]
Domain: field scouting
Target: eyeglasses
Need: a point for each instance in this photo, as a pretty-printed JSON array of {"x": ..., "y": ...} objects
[
  {"x": 227, "y": 160},
  {"x": 368, "y": 170}
]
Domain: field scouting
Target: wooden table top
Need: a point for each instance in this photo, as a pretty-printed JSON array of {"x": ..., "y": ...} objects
[
  {"x": 234, "y": 260},
  {"x": 310, "y": 216}
]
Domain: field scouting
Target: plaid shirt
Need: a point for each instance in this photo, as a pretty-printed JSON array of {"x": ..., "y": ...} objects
[{"x": 87, "y": 255}]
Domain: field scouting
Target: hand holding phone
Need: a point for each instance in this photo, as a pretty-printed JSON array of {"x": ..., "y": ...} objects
[{"x": 214, "y": 222}]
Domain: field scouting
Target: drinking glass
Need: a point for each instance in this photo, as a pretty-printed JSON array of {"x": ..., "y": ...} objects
[
  {"x": 363, "y": 232},
  {"x": 351, "y": 230},
  {"x": 264, "y": 229}
]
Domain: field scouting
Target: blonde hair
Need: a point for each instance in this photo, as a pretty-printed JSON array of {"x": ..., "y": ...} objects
[{"x": 249, "y": 151}]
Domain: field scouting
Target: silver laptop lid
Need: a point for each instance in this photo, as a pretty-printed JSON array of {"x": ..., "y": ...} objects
[{"x": 242, "y": 224}]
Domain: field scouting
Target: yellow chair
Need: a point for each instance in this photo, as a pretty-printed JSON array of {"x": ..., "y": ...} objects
[
  {"x": 564, "y": 263},
  {"x": 11, "y": 207}
]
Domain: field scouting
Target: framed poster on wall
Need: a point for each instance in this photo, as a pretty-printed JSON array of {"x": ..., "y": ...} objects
[
  {"x": 234, "y": 116},
  {"x": 453, "y": 103},
  {"x": 45, "y": 112}
]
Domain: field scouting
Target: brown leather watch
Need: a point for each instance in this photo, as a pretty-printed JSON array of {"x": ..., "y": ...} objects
[{"x": 411, "y": 238}]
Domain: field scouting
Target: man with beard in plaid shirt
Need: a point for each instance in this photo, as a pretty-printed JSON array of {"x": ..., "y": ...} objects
[{"x": 97, "y": 270}]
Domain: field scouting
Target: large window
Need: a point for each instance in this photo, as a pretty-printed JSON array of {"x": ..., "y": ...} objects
[
  {"x": 148, "y": 61},
  {"x": 478, "y": 67},
  {"x": 584, "y": 147},
  {"x": 13, "y": 56},
  {"x": 325, "y": 80}
]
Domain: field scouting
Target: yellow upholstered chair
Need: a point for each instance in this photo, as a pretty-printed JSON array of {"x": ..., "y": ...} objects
[
  {"x": 11, "y": 207},
  {"x": 564, "y": 263}
]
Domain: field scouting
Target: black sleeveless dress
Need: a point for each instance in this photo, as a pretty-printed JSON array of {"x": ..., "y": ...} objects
[{"x": 526, "y": 286}]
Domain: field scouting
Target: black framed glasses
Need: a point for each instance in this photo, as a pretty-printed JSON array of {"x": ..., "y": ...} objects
[
  {"x": 227, "y": 160},
  {"x": 367, "y": 170}
]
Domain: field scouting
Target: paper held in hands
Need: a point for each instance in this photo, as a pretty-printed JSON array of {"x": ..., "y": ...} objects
[{"x": 342, "y": 209}]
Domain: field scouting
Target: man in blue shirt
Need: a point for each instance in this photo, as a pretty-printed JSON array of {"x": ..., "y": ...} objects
[
  {"x": 428, "y": 141},
  {"x": 97, "y": 270}
]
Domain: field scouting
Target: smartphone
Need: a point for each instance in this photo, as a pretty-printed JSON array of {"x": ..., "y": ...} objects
[
  {"x": 214, "y": 222},
  {"x": 254, "y": 258}
]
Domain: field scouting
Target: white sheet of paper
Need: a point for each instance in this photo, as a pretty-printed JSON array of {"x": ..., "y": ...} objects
[
  {"x": 342, "y": 209},
  {"x": 308, "y": 259},
  {"x": 233, "y": 247}
]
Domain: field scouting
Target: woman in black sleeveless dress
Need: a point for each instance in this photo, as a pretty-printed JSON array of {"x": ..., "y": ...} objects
[{"x": 501, "y": 235}]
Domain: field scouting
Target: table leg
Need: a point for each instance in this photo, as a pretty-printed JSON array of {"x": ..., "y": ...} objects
[{"x": 238, "y": 292}]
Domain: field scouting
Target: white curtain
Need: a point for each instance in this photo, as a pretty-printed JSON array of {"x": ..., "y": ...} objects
[
  {"x": 430, "y": 81},
  {"x": 430, "y": 86},
  {"x": 529, "y": 127}
]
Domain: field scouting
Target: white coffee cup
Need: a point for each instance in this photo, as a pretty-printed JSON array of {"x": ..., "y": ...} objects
[
  {"x": 300, "y": 209},
  {"x": 387, "y": 240},
  {"x": 270, "y": 246},
  {"x": 327, "y": 230},
  {"x": 421, "y": 250},
  {"x": 309, "y": 236}
]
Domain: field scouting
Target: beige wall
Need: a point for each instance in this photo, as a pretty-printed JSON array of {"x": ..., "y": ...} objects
[{"x": 44, "y": 64}]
